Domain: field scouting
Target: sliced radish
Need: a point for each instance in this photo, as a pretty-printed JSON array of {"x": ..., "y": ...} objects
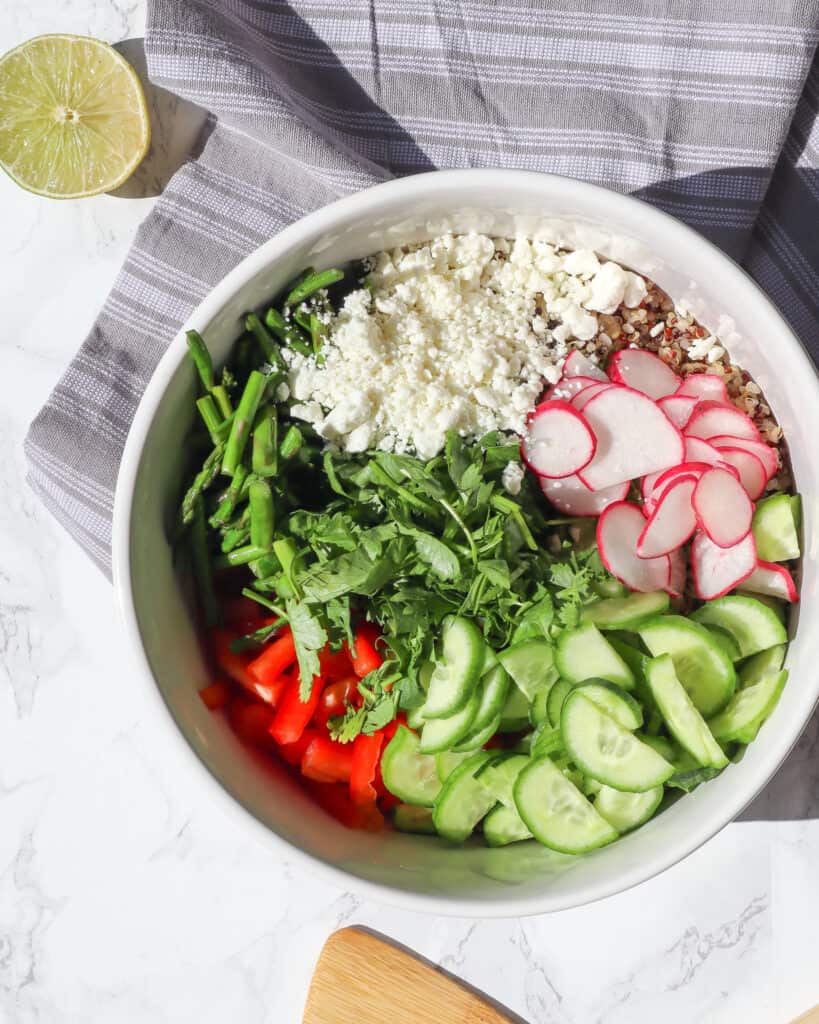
[
  {"x": 678, "y": 408},
  {"x": 672, "y": 522},
  {"x": 582, "y": 397},
  {"x": 643, "y": 371},
  {"x": 618, "y": 530},
  {"x": 679, "y": 573},
  {"x": 697, "y": 450},
  {"x": 712, "y": 419},
  {"x": 634, "y": 437},
  {"x": 665, "y": 479},
  {"x": 766, "y": 455},
  {"x": 773, "y": 580},
  {"x": 567, "y": 387},
  {"x": 717, "y": 570},
  {"x": 577, "y": 365},
  {"x": 558, "y": 441},
  {"x": 707, "y": 386},
  {"x": 752, "y": 473},
  {"x": 573, "y": 498},
  {"x": 722, "y": 506}
]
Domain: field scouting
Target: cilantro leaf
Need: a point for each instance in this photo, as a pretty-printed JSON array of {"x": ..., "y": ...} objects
[
  {"x": 309, "y": 636},
  {"x": 441, "y": 559}
]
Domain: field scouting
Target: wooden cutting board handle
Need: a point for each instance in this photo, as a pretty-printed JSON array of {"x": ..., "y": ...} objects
[{"x": 363, "y": 979}]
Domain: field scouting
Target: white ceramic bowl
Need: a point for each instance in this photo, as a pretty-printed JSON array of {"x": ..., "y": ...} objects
[{"x": 420, "y": 872}]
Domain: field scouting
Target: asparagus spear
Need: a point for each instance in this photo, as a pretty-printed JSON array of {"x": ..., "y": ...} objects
[
  {"x": 260, "y": 499},
  {"x": 290, "y": 334},
  {"x": 266, "y": 343},
  {"x": 291, "y": 443},
  {"x": 310, "y": 285},
  {"x": 203, "y": 479},
  {"x": 211, "y": 417},
  {"x": 265, "y": 438},
  {"x": 201, "y": 358},
  {"x": 245, "y": 414},
  {"x": 201, "y": 565}
]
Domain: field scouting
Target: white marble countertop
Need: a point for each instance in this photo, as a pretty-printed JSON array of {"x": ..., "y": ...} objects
[{"x": 126, "y": 897}]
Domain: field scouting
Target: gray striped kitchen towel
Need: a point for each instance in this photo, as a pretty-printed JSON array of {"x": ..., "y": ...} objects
[{"x": 709, "y": 110}]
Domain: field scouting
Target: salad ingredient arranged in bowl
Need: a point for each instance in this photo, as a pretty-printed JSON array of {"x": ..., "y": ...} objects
[{"x": 489, "y": 538}]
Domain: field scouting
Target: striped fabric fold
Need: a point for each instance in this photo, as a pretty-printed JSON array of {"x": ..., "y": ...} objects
[{"x": 709, "y": 111}]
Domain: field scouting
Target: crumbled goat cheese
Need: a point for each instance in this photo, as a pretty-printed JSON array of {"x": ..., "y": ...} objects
[
  {"x": 453, "y": 334},
  {"x": 512, "y": 477}
]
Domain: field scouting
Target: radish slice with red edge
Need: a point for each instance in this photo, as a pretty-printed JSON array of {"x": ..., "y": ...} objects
[
  {"x": 697, "y": 450},
  {"x": 679, "y": 573},
  {"x": 764, "y": 452},
  {"x": 707, "y": 386},
  {"x": 722, "y": 506},
  {"x": 567, "y": 387},
  {"x": 634, "y": 437},
  {"x": 752, "y": 473},
  {"x": 577, "y": 365},
  {"x": 582, "y": 397},
  {"x": 643, "y": 371},
  {"x": 717, "y": 570},
  {"x": 558, "y": 441},
  {"x": 573, "y": 498},
  {"x": 772, "y": 580},
  {"x": 678, "y": 408},
  {"x": 710, "y": 419},
  {"x": 618, "y": 530},
  {"x": 664, "y": 480},
  {"x": 672, "y": 522}
]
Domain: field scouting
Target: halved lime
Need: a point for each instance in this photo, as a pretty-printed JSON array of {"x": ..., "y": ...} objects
[{"x": 73, "y": 119}]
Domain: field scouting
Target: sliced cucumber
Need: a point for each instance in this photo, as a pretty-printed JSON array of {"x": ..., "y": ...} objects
[
  {"x": 726, "y": 642},
  {"x": 494, "y": 687},
  {"x": 702, "y": 666},
  {"x": 503, "y": 825},
  {"x": 475, "y": 739},
  {"x": 408, "y": 818},
  {"x": 499, "y": 776},
  {"x": 763, "y": 664},
  {"x": 745, "y": 712},
  {"x": 774, "y": 528},
  {"x": 626, "y": 612},
  {"x": 625, "y": 811},
  {"x": 777, "y": 607},
  {"x": 684, "y": 721},
  {"x": 463, "y": 801},
  {"x": 615, "y": 701},
  {"x": 688, "y": 779},
  {"x": 447, "y": 761},
  {"x": 415, "y": 718},
  {"x": 538, "y": 713},
  {"x": 443, "y": 733},
  {"x": 554, "y": 702},
  {"x": 752, "y": 625},
  {"x": 663, "y": 747},
  {"x": 515, "y": 712},
  {"x": 584, "y": 653},
  {"x": 606, "y": 751},
  {"x": 530, "y": 664},
  {"x": 547, "y": 740},
  {"x": 631, "y": 655},
  {"x": 556, "y": 812},
  {"x": 457, "y": 671},
  {"x": 409, "y": 774},
  {"x": 609, "y": 588}
]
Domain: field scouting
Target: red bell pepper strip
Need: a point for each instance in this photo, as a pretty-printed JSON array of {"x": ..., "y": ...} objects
[
  {"x": 215, "y": 696},
  {"x": 293, "y": 714},
  {"x": 366, "y": 658},
  {"x": 327, "y": 761},
  {"x": 294, "y": 752},
  {"x": 241, "y": 613},
  {"x": 335, "y": 800},
  {"x": 276, "y": 658},
  {"x": 335, "y": 698},
  {"x": 335, "y": 665},
  {"x": 366, "y": 756},
  {"x": 237, "y": 667},
  {"x": 251, "y": 722}
]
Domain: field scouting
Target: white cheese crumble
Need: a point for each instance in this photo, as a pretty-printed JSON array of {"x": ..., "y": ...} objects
[{"x": 459, "y": 333}]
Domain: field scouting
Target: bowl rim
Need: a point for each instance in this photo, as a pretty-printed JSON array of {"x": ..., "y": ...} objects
[{"x": 629, "y": 209}]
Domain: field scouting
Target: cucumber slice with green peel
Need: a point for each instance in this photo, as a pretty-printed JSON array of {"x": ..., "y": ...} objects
[
  {"x": 591, "y": 787},
  {"x": 726, "y": 642},
  {"x": 609, "y": 588},
  {"x": 752, "y": 625},
  {"x": 538, "y": 713},
  {"x": 494, "y": 688},
  {"x": 775, "y": 528},
  {"x": 765, "y": 663},
  {"x": 702, "y": 666},
  {"x": 584, "y": 653},
  {"x": 556, "y": 812},
  {"x": 500, "y": 774},
  {"x": 615, "y": 701},
  {"x": 463, "y": 801},
  {"x": 776, "y": 606},
  {"x": 631, "y": 655},
  {"x": 490, "y": 659},
  {"x": 447, "y": 761},
  {"x": 688, "y": 779},
  {"x": 474, "y": 740},
  {"x": 606, "y": 751},
  {"x": 515, "y": 711},
  {"x": 626, "y": 811},
  {"x": 554, "y": 702},
  {"x": 503, "y": 825},
  {"x": 665, "y": 748},
  {"x": 684, "y": 721},
  {"x": 415, "y": 718},
  {"x": 626, "y": 612},
  {"x": 530, "y": 664},
  {"x": 409, "y": 818},
  {"x": 547, "y": 740},
  {"x": 444, "y": 733},
  {"x": 746, "y": 711},
  {"x": 409, "y": 774},
  {"x": 458, "y": 669}
]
